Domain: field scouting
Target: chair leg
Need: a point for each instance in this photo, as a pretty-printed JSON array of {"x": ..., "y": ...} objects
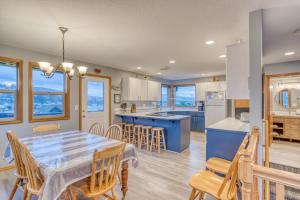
[
  {"x": 192, "y": 196},
  {"x": 114, "y": 197},
  {"x": 152, "y": 140},
  {"x": 25, "y": 193},
  {"x": 73, "y": 194},
  {"x": 30, "y": 196},
  {"x": 164, "y": 141},
  {"x": 158, "y": 141},
  {"x": 200, "y": 195},
  {"x": 11, "y": 196}
]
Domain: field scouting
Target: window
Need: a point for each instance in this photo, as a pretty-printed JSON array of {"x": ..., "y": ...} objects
[
  {"x": 95, "y": 96},
  {"x": 185, "y": 95},
  {"x": 11, "y": 71},
  {"x": 164, "y": 96},
  {"x": 48, "y": 97}
]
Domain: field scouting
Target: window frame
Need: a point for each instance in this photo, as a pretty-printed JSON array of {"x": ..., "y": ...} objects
[
  {"x": 18, "y": 92},
  {"x": 183, "y": 85},
  {"x": 168, "y": 94},
  {"x": 65, "y": 94}
]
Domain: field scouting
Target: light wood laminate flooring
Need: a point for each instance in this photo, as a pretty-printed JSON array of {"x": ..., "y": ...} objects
[{"x": 158, "y": 177}]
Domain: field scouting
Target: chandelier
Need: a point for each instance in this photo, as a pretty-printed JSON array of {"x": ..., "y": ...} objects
[{"x": 48, "y": 69}]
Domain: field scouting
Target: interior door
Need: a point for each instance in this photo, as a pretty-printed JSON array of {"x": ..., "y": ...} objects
[{"x": 95, "y": 101}]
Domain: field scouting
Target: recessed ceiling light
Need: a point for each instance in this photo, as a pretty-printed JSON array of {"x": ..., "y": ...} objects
[
  {"x": 202, "y": 74},
  {"x": 139, "y": 67},
  {"x": 159, "y": 73},
  {"x": 209, "y": 42},
  {"x": 172, "y": 61},
  {"x": 222, "y": 56},
  {"x": 289, "y": 53}
]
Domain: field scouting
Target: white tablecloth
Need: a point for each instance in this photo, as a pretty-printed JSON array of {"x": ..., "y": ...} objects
[{"x": 66, "y": 157}]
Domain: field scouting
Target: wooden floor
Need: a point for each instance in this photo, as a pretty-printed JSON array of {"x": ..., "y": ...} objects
[
  {"x": 285, "y": 153},
  {"x": 159, "y": 176}
]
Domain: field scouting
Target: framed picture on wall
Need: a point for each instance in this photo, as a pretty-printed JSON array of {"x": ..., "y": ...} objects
[{"x": 117, "y": 98}]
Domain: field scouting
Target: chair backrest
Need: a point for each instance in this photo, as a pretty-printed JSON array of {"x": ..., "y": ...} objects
[
  {"x": 97, "y": 129},
  {"x": 114, "y": 132},
  {"x": 34, "y": 175},
  {"x": 108, "y": 162},
  {"x": 13, "y": 141},
  {"x": 231, "y": 176},
  {"x": 46, "y": 128}
]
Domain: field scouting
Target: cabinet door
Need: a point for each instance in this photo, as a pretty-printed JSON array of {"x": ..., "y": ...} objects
[
  {"x": 143, "y": 90},
  {"x": 200, "y": 91},
  {"x": 134, "y": 89},
  {"x": 154, "y": 91}
]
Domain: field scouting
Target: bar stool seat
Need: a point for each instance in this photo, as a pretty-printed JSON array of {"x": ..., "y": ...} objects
[
  {"x": 158, "y": 139},
  {"x": 145, "y": 134}
]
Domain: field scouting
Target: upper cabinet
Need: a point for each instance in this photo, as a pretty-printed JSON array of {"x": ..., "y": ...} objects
[
  {"x": 154, "y": 91},
  {"x": 201, "y": 88},
  {"x": 134, "y": 89},
  {"x": 237, "y": 71}
]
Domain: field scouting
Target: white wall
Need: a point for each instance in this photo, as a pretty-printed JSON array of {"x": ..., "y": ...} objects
[
  {"x": 25, "y": 128},
  {"x": 197, "y": 80},
  {"x": 282, "y": 68}
]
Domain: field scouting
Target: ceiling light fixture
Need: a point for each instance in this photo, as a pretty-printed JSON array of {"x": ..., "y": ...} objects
[
  {"x": 289, "y": 53},
  {"x": 159, "y": 73},
  {"x": 209, "y": 42},
  {"x": 172, "y": 61},
  {"x": 49, "y": 70},
  {"x": 222, "y": 56},
  {"x": 139, "y": 68}
]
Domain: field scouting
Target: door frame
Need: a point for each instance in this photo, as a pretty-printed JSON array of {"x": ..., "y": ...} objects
[{"x": 80, "y": 97}]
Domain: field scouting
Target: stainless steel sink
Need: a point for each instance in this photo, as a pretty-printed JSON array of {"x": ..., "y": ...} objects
[{"x": 161, "y": 114}]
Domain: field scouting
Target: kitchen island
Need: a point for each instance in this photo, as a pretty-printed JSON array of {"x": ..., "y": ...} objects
[
  {"x": 225, "y": 137},
  {"x": 177, "y": 127}
]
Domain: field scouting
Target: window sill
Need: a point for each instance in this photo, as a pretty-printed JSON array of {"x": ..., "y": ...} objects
[
  {"x": 15, "y": 121},
  {"x": 32, "y": 120}
]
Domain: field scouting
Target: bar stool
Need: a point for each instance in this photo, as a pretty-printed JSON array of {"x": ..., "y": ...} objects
[
  {"x": 128, "y": 132},
  {"x": 158, "y": 134},
  {"x": 136, "y": 136},
  {"x": 146, "y": 131}
]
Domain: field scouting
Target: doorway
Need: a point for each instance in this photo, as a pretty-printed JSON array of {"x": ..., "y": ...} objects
[
  {"x": 282, "y": 115},
  {"x": 94, "y": 101}
]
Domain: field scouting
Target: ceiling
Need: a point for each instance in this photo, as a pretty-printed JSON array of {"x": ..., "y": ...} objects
[
  {"x": 126, "y": 34},
  {"x": 279, "y": 25}
]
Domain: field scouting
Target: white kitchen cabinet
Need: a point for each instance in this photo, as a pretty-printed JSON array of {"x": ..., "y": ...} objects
[
  {"x": 134, "y": 89},
  {"x": 203, "y": 87},
  {"x": 154, "y": 91},
  {"x": 237, "y": 71}
]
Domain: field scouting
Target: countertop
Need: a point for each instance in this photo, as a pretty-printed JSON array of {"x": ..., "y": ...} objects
[
  {"x": 146, "y": 115},
  {"x": 285, "y": 114},
  {"x": 231, "y": 124}
]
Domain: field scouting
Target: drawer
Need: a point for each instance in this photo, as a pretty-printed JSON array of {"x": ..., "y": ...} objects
[
  {"x": 291, "y": 131},
  {"x": 292, "y": 121},
  {"x": 278, "y": 119}
]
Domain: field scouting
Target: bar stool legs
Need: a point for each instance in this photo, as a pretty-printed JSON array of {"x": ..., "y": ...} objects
[
  {"x": 146, "y": 131},
  {"x": 136, "y": 137},
  {"x": 128, "y": 132},
  {"x": 158, "y": 139}
]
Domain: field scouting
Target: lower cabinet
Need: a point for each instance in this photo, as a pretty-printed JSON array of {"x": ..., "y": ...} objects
[
  {"x": 286, "y": 127},
  {"x": 197, "y": 119}
]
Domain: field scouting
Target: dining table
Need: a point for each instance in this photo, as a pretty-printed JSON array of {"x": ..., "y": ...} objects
[{"x": 66, "y": 157}]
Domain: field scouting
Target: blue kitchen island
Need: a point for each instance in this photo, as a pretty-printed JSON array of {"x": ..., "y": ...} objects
[
  {"x": 177, "y": 127},
  {"x": 224, "y": 138}
]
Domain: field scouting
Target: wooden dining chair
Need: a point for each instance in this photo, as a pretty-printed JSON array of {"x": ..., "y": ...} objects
[
  {"x": 103, "y": 179},
  {"x": 220, "y": 187},
  {"x": 47, "y": 128},
  {"x": 220, "y": 165},
  {"x": 97, "y": 129},
  {"x": 20, "y": 168},
  {"x": 114, "y": 132},
  {"x": 34, "y": 175}
]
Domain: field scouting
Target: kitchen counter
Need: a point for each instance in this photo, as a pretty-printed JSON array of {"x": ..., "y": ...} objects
[
  {"x": 148, "y": 115},
  {"x": 231, "y": 124},
  {"x": 225, "y": 137},
  {"x": 177, "y": 128}
]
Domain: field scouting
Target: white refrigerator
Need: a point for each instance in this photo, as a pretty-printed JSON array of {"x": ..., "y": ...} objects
[{"x": 215, "y": 107}]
